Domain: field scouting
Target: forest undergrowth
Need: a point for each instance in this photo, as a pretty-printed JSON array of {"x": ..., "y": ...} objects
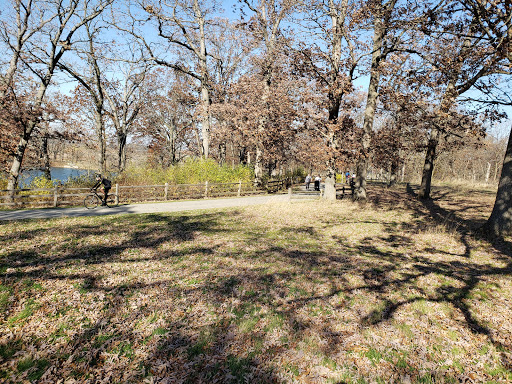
[{"x": 397, "y": 290}]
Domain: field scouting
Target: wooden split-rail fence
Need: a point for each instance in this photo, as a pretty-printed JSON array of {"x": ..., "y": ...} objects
[
  {"x": 66, "y": 196},
  {"x": 298, "y": 192}
]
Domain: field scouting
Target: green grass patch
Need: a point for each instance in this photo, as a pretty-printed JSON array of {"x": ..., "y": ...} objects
[
  {"x": 5, "y": 294},
  {"x": 374, "y": 355},
  {"x": 239, "y": 368},
  {"x": 201, "y": 344},
  {"x": 36, "y": 367},
  {"x": 30, "y": 307}
]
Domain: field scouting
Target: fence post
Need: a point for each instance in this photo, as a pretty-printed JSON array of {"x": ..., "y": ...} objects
[
  {"x": 206, "y": 189},
  {"x": 166, "y": 192},
  {"x": 239, "y": 188},
  {"x": 55, "y": 196},
  {"x": 117, "y": 193}
]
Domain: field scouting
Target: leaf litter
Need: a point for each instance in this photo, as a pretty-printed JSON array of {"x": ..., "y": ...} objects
[{"x": 310, "y": 292}]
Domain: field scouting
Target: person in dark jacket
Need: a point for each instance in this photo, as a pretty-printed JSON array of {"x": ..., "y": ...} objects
[{"x": 106, "y": 186}]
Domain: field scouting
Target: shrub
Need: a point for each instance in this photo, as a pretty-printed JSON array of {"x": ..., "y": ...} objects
[
  {"x": 3, "y": 181},
  {"x": 40, "y": 182},
  {"x": 191, "y": 171}
]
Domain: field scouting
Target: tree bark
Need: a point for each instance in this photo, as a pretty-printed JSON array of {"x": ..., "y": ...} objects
[
  {"x": 100, "y": 131},
  {"x": 205, "y": 91},
  {"x": 222, "y": 153},
  {"x": 171, "y": 138},
  {"x": 428, "y": 166},
  {"x": 335, "y": 95},
  {"x": 369, "y": 113},
  {"x": 330, "y": 178},
  {"x": 500, "y": 221},
  {"x": 46, "y": 157},
  {"x": 258, "y": 161},
  {"x": 205, "y": 121},
  {"x": 121, "y": 138}
]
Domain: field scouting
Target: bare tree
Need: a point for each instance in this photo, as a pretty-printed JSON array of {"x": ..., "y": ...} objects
[
  {"x": 126, "y": 98},
  {"x": 45, "y": 53},
  {"x": 182, "y": 27},
  {"x": 91, "y": 79},
  {"x": 19, "y": 23}
]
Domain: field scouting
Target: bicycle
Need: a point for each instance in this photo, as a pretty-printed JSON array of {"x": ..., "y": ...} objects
[{"x": 92, "y": 200}]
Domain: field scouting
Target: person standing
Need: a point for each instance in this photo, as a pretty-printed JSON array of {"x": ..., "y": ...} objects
[
  {"x": 317, "y": 182},
  {"x": 308, "y": 180}
]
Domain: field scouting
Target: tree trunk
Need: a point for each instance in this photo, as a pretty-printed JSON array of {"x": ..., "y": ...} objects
[
  {"x": 171, "y": 138},
  {"x": 334, "y": 95},
  {"x": 100, "y": 131},
  {"x": 205, "y": 92},
  {"x": 393, "y": 174},
  {"x": 222, "y": 153},
  {"x": 258, "y": 161},
  {"x": 46, "y": 158},
  {"x": 369, "y": 116},
  {"x": 242, "y": 155},
  {"x": 330, "y": 185},
  {"x": 258, "y": 168},
  {"x": 500, "y": 221},
  {"x": 122, "y": 151},
  {"x": 205, "y": 120},
  {"x": 428, "y": 167},
  {"x": 449, "y": 97},
  {"x": 14, "y": 174},
  {"x": 488, "y": 172}
]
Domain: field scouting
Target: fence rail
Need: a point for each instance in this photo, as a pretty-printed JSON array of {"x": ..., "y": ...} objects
[{"x": 64, "y": 196}]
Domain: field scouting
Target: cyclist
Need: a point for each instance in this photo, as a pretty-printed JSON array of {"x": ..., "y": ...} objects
[{"x": 106, "y": 186}]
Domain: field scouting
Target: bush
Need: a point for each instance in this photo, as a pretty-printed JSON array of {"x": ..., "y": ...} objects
[
  {"x": 191, "y": 171},
  {"x": 298, "y": 175},
  {"x": 40, "y": 182}
]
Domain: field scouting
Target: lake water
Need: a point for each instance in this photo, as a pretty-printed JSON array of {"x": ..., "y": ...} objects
[{"x": 57, "y": 173}]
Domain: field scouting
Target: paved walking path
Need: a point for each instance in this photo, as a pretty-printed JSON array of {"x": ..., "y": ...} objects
[{"x": 174, "y": 206}]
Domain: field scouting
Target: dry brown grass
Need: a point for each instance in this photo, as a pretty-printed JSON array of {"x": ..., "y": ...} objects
[{"x": 310, "y": 292}]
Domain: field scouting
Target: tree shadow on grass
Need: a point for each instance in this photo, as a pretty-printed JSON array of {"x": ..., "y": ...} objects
[
  {"x": 222, "y": 328},
  {"x": 468, "y": 274},
  {"x": 105, "y": 345},
  {"x": 151, "y": 231}
]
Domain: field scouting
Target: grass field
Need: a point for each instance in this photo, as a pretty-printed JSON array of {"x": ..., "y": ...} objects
[{"x": 307, "y": 292}]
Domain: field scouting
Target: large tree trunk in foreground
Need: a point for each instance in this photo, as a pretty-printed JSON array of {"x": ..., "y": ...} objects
[{"x": 500, "y": 221}]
